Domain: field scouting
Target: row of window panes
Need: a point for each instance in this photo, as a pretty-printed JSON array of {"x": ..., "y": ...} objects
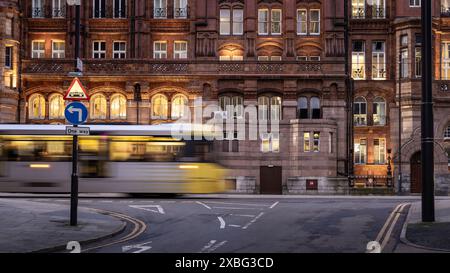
[
  {"x": 38, "y": 49},
  {"x": 379, "y": 151},
  {"x": 359, "y": 9},
  {"x": 56, "y": 107},
  {"x": 119, "y": 8},
  {"x": 359, "y": 60},
  {"x": 360, "y": 112}
]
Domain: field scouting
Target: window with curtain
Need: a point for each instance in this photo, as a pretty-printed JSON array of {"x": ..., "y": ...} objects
[
  {"x": 358, "y": 60},
  {"x": 98, "y": 107},
  {"x": 360, "y": 111},
  {"x": 56, "y": 107},
  {"x": 118, "y": 107},
  {"x": 180, "y": 9},
  {"x": 37, "y": 107},
  {"x": 179, "y": 105},
  {"x": 159, "y": 107},
  {"x": 379, "y": 111},
  {"x": 269, "y": 107}
]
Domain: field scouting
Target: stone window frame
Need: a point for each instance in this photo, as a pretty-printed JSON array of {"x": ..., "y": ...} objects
[
  {"x": 231, "y": 7},
  {"x": 309, "y": 96},
  {"x": 119, "y": 97},
  {"x": 269, "y": 23}
]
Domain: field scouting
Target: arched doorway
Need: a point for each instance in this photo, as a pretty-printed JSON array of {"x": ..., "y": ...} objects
[{"x": 416, "y": 173}]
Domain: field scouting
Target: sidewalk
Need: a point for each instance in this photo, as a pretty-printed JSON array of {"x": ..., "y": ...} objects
[
  {"x": 426, "y": 237},
  {"x": 27, "y": 226}
]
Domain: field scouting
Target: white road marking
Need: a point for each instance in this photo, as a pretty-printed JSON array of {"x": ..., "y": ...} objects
[
  {"x": 274, "y": 204},
  {"x": 222, "y": 222},
  {"x": 141, "y": 247},
  {"x": 207, "y": 246},
  {"x": 203, "y": 204},
  {"x": 243, "y": 215},
  {"x": 238, "y": 226},
  {"x": 169, "y": 202},
  {"x": 214, "y": 247},
  {"x": 156, "y": 208},
  {"x": 384, "y": 236},
  {"x": 240, "y": 204},
  {"x": 235, "y": 208},
  {"x": 386, "y": 224},
  {"x": 106, "y": 201},
  {"x": 253, "y": 220}
]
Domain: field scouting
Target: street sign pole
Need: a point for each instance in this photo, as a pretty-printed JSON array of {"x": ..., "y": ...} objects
[
  {"x": 427, "y": 120},
  {"x": 74, "y": 183}
]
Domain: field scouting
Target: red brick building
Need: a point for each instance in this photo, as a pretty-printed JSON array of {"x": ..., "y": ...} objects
[{"x": 287, "y": 57}]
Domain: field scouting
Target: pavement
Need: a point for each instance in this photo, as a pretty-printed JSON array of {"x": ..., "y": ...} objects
[
  {"x": 28, "y": 226},
  {"x": 417, "y": 236}
]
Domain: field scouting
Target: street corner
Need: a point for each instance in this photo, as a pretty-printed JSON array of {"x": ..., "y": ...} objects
[{"x": 30, "y": 226}]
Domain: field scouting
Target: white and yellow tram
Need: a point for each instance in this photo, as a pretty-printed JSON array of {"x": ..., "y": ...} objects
[{"x": 113, "y": 159}]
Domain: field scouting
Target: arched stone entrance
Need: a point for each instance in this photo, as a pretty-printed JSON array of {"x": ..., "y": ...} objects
[{"x": 416, "y": 172}]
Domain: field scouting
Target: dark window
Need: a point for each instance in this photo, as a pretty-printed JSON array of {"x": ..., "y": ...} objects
[
  {"x": 225, "y": 146},
  {"x": 8, "y": 57},
  {"x": 99, "y": 8},
  {"x": 303, "y": 108},
  {"x": 119, "y": 8},
  {"x": 235, "y": 146},
  {"x": 315, "y": 108}
]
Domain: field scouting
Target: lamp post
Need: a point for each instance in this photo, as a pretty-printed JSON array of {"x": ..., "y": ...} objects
[
  {"x": 427, "y": 120},
  {"x": 389, "y": 169}
]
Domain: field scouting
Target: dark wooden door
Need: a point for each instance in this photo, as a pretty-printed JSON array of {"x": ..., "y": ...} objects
[
  {"x": 270, "y": 180},
  {"x": 416, "y": 173}
]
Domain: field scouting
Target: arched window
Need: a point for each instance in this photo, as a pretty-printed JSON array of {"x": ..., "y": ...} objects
[
  {"x": 118, "y": 107},
  {"x": 315, "y": 108},
  {"x": 56, "y": 107},
  {"x": 237, "y": 103},
  {"x": 269, "y": 107},
  {"x": 98, "y": 107},
  {"x": 179, "y": 105},
  {"x": 37, "y": 107},
  {"x": 275, "y": 108},
  {"x": 447, "y": 132},
  {"x": 159, "y": 107},
  {"x": 379, "y": 112},
  {"x": 360, "y": 111},
  {"x": 303, "y": 108}
]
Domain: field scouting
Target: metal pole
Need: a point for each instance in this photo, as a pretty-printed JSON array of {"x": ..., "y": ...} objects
[
  {"x": 400, "y": 123},
  {"x": 427, "y": 119},
  {"x": 74, "y": 177}
]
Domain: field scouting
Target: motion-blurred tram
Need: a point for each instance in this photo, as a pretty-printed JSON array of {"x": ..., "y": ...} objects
[{"x": 112, "y": 159}]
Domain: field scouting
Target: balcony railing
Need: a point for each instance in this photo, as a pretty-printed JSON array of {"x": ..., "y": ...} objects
[
  {"x": 378, "y": 13},
  {"x": 180, "y": 13},
  {"x": 358, "y": 73},
  {"x": 38, "y": 12},
  {"x": 358, "y": 13},
  {"x": 160, "y": 13},
  {"x": 59, "y": 13},
  {"x": 187, "y": 67}
]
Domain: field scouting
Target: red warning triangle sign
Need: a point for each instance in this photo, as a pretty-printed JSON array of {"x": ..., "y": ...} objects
[{"x": 76, "y": 91}]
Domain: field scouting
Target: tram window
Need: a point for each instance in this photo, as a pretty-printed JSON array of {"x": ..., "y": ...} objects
[{"x": 37, "y": 150}]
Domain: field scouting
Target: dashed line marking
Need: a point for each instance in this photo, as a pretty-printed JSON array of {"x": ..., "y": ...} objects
[
  {"x": 253, "y": 220},
  {"x": 203, "y": 204},
  {"x": 239, "y": 204},
  {"x": 236, "y": 226},
  {"x": 243, "y": 215},
  {"x": 236, "y": 208},
  {"x": 274, "y": 205}
]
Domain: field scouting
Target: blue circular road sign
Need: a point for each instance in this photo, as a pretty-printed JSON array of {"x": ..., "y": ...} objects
[{"x": 76, "y": 113}]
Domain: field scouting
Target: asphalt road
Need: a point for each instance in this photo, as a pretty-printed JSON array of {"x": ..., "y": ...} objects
[{"x": 251, "y": 225}]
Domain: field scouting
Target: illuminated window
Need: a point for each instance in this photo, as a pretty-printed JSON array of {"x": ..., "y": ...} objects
[
  {"x": 275, "y": 108},
  {"x": 379, "y": 111},
  {"x": 414, "y": 3},
  {"x": 270, "y": 142},
  {"x": 238, "y": 21},
  {"x": 179, "y": 106},
  {"x": 56, "y": 107},
  {"x": 302, "y": 23},
  {"x": 445, "y": 61},
  {"x": 263, "y": 108},
  {"x": 358, "y": 9},
  {"x": 37, "y": 107},
  {"x": 378, "y": 61},
  {"x": 98, "y": 107},
  {"x": 38, "y": 49},
  {"x": 180, "y": 50},
  {"x": 306, "y": 142},
  {"x": 360, "y": 111},
  {"x": 358, "y": 60},
  {"x": 360, "y": 151},
  {"x": 378, "y": 9},
  {"x": 269, "y": 108},
  {"x": 159, "y": 107},
  {"x": 58, "y": 49},
  {"x": 314, "y": 24},
  {"x": 379, "y": 151},
  {"x": 118, "y": 107}
]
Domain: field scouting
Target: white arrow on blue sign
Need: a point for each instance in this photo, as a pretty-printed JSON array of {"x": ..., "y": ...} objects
[{"x": 76, "y": 113}]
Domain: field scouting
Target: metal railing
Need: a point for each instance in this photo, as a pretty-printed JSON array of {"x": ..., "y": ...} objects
[
  {"x": 180, "y": 13},
  {"x": 38, "y": 12},
  {"x": 378, "y": 13},
  {"x": 358, "y": 13},
  {"x": 445, "y": 11},
  {"x": 160, "y": 13},
  {"x": 59, "y": 13}
]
